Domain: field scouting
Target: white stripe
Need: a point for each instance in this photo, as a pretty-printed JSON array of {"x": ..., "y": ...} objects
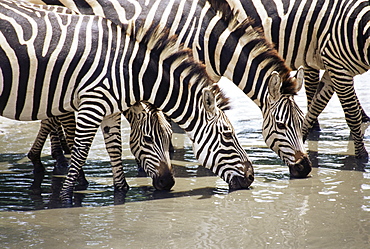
[
  {"x": 187, "y": 23},
  {"x": 196, "y": 44},
  {"x": 48, "y": 35},
  {"x": 96, "y": 7},
  {"x": 9, "y": 110}
]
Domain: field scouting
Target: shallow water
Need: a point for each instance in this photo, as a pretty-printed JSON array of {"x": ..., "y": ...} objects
[{"x": 330, "y": 209}]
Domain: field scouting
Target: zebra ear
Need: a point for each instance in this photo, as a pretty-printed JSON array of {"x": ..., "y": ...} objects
[
  {"x": 299, "y": 78},
  {"x": 274, "y": 86},
  {"x": 209, "y": 101}
]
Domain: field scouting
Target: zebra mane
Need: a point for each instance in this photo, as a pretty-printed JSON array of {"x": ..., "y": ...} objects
[
  {"x": 158, "y": 41},
  {"x": 265, "y": 49}
]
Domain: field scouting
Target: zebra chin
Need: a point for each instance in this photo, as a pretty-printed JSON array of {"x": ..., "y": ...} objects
[{"x": 301, "y": 168}]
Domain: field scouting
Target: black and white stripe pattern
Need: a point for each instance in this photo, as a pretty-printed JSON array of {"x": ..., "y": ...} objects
[
  {"x": 150, "y": 140},
  {"x": 228, "y": 48},
  {"x": 87, "y": 64},
  {"x": 146, "y": 125},
  {"x": 331, "y": 35}
]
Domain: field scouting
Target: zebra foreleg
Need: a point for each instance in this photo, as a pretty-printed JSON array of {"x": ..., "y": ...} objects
[
  {"x": 69, "y": 127},
  {"x": 111, "y": 128},
  {"x": 87, "y": 124}
]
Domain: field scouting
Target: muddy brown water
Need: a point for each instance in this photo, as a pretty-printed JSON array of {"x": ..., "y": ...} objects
[{"x": 330, "y": 209}]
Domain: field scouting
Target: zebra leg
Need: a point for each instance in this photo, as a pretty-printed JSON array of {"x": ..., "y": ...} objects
[
  {"x": 111, "y": 128},
  {"x": 352, "y": 111},
  {"x": 343, "y": 86},
  {"x": 318, "y": 104},
  {"x": 365, "y": 117},
  {"x": 61, "y": 165},
  {"x": 69, "y": 127},
  {"x": 87, "y": 124},
  {"x": 312, "y": 79},
  {"x": 35, "y": 152},
  {"x": 63, "y": 141}
]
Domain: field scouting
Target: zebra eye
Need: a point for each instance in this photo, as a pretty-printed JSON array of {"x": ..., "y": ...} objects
[
  {"x": 281, "y": 125},
  {"x": 148, "y": 139},
  {"x": 228, "y": 134}
]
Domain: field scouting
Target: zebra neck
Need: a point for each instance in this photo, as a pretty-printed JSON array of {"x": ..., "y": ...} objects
[{"x": 247, "y": 60}]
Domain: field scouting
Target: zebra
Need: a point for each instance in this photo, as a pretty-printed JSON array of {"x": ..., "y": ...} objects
[
  {"x": 157, "y": 164},
  {"x": 216, "y": 38},
  {"x": 87, "y": 64},
  {"x": 332, "y": 35},
  {"x": 153, "y": 156}
]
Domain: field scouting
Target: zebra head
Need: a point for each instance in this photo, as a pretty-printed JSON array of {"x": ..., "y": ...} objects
[
  {"x": 215, "y": 144},
  {"x": 282, "y": 126},
  {"x": 150, "y": 141}
]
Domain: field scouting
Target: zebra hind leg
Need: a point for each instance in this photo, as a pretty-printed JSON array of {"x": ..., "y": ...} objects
[
  {"x": 35, "y": 153},
  {"x": 61, "y": 164},
  {"x": 312, "y": 86}
]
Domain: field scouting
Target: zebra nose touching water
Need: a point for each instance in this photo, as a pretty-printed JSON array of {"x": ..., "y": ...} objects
[
  {"x": 89, "y": 65},
  {"x": 280, "y": 124},
  {"x": 150, "y": 140}
]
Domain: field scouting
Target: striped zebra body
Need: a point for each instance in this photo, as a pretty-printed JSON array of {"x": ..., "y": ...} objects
[
  {"x": 228, "y": 48},
  {"x": 331, "y": 35},
  {"x": 89, "y": 65}
]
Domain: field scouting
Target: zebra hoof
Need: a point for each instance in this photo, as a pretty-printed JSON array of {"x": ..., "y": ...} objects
[
  {"x": 121, "y": 188},
  {"x": 315, "y": 126},
  {"x": 60, "y": 170},
  {"x": 66, "y": 198},
  {"x": 363, "y": 155},
  {"x": 82, "y": 183},
  {"x": 301, "y": 169}
]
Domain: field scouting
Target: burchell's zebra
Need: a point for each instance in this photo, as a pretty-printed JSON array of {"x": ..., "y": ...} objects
[
  {"x": 156, "y": 164},
  {"x": 89, "y": 65},
  {"x": 227, "y": 49},
  {"x": 150, "y": 146},
  {"x": 332, "y": 35}
]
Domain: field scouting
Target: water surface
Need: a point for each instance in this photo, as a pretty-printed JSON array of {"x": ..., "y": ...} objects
[{"x": 330, "y": 209}]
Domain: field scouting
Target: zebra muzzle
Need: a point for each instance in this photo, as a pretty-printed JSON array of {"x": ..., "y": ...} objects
[
  {"x": 301, "y": 168},
  {"x": 243, "y": 182},
  {"x": 164, "y": 180}
]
